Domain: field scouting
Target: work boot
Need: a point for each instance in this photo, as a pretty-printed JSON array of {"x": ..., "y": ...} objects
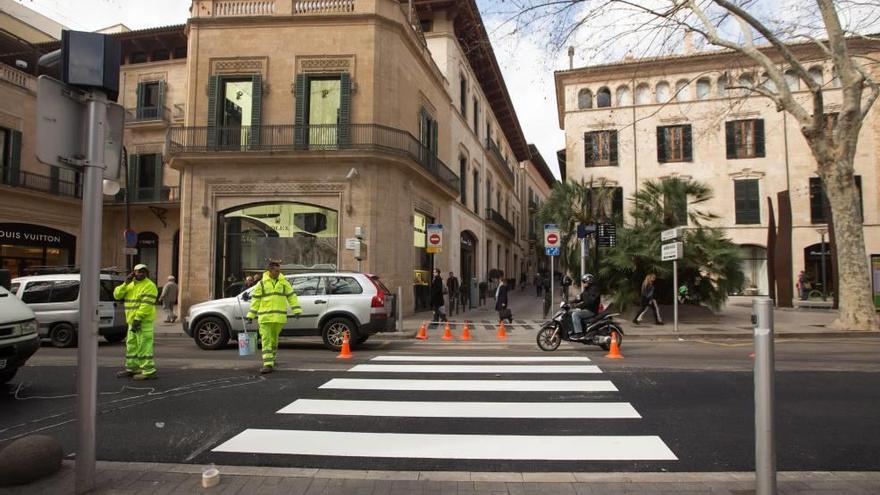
[
  {"x": 125, "y": 374},
  {"x": 141, "y": 377},
  {"x": 266, "y": 369},
  {"x": 635, "y": 321}
]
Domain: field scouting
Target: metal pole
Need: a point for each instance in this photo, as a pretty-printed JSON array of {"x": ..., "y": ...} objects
[
  {"x": 584, "y": 253},
  {"x": 765, "y": 441},
  {"x": 399, "y": 309},
  {"x": 90, "y": 258},
  {"x": 824, "y": 282},
  {"x": 675, "y": 296},
  {"x": 552, "y": 277}
]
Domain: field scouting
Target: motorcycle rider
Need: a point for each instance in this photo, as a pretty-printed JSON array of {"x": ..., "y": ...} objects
[{"x": 587, "y": 304}]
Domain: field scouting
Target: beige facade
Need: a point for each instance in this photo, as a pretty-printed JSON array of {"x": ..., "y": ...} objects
[{"x": 639, "y": 98}]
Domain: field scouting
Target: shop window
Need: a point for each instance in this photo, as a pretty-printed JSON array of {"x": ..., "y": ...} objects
[
  {"x": 747, "y": 201},
  {"x": 343, "y": 286},
  {"x": 37, "y": 292},
  {"x": 819, "y": 201},
  {"x": 310, "y": 222},
  {"x": 674, "y": 144},
  {"x": 148, "y": 252},
  {"x": 423, "y": 262},
  {"x": 745, "y": 138},
  {"x": 600, "y": 148}
]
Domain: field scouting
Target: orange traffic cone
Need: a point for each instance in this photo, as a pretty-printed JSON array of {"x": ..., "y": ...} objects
[
  {"x": 447, "y": 335},
  {"x": 423, "y": 333},
  {"x": 466, "y": 333},
  {"x": 502, "y": 334},
  {"x": 615, "y": 348},
  {"x": 345, "y": 353}
]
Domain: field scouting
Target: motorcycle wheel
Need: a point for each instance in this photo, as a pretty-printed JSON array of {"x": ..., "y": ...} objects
[
  {"x": 548, "y": 338},
  {"x": 612, "y": 329}
]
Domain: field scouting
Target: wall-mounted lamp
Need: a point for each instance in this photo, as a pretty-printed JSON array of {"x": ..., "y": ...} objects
[{"x": 350, "y": 176}]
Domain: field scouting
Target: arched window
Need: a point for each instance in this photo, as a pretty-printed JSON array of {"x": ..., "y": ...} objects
[
  {"x": 603, "y": 98},
  {"x": 792, "y": 80},
  {"x": 816, "y": 75},
  {"x": 768, "y": 83},
  {"x": 624, "y": 97},
  {"x": 835, "y": 78},
  {"x": 745, "y": 81},
  {"x": 682, "y": 90},
  {"x": 643, "y": 94},
  {"x": 662, "y": 94},
  {"x": 722, "y": 84},
  {"x": 704, "y": 88},
  {"x": 585, "y": 99}
]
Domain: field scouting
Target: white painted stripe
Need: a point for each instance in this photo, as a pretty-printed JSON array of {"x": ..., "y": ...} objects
[
  {"x": 473, "y": 385},
  {"x": 472, "y": 368},
  {"x": 577, "y": 410},
  {"x": 428, "y": 446},
  {"x": 486, "y": 359}
]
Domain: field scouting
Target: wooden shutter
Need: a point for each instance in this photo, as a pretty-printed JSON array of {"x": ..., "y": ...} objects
[
  {"x": 730, "y": 139},
  {"x": 612, "y": 154},
  {"x": 139, "y": 101},
  {"x": 300, "y": 130},
  {"x": 759, "y": 137},
  {"x": 688, "y": 143},
  {"x": 344, "y": 120},
  {"x": 160, "y": 112},
  {"x": 255, "y": 135},
  {"x": 589, "y": 157},
  {"x": 213, "y": 88},
  {"x": 14, "y": 172},
  {"x": 661, "y": 144},
  {"x": 134, "y": 163},
  {"x": 746, "y": 201}
]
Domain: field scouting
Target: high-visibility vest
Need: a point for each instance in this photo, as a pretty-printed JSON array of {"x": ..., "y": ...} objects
[{"x": 270, "y": 299}]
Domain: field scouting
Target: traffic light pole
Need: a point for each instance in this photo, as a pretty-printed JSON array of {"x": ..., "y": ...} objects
[{"x": 90, "y": 259}]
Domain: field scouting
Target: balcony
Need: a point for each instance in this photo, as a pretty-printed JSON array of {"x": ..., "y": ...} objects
[
  {"x": 495, "y": 153},
  {"x": 43, "y": 183},
  {"x": 310, "y": 138},
  {"x": 147, "y": 115},
  {"x": 147, "y": 195},
  {"x": 498, "y": 220}
]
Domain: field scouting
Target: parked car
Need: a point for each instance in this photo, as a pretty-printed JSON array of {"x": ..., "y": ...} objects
[
  {"x": 18, "y": 331},
  {"x": 55, "y": 301},
  {"x": 332, "y": 304}
]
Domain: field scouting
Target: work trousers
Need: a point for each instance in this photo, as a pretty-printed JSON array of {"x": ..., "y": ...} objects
[
  {"x": 651, "y": 304},
  {"x": 139, "y": 350},
  {"x": 269, "y": 333}
]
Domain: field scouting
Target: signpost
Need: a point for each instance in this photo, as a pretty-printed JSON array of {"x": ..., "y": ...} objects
[
  {"x": 673, "y": 252},
  {"x": 551, "y": 248},
  {"x": 435, "y": 238},
  {"x": 583, "y": 231}
]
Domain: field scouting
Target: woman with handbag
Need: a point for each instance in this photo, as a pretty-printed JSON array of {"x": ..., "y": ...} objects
[
  {"x": 648, "y": 300},
  {"x": 501, "y": 302}
]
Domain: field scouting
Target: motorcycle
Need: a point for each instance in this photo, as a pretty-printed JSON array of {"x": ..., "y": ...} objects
[{"x": 598, "y": 330}]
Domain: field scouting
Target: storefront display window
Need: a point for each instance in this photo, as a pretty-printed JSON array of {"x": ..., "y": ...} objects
[
  {"x": 423, "y": 262},
  {"x": 26, "y": 247}
]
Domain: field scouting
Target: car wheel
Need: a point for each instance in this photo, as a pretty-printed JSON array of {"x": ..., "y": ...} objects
[
  {"x": 114, "y": 337},
  {"x": 333, "y": 331},
  {"x": 63, "y": 335},
  {"x": 211, "y": 333},
  {"x": 7, "y": 375}
]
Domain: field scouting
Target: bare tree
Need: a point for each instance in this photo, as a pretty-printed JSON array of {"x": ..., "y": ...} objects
[{"x": 839, "y": 29}]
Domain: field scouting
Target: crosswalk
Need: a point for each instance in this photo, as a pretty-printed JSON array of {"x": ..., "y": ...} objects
[{"x": 388, "y": 387}]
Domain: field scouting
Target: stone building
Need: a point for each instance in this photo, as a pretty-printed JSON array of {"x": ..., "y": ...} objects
[{"x": 690, "y": 116}]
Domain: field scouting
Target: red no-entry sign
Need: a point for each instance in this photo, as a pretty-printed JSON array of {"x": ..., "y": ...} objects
[
  {"x": 434, "y": 239},
  {"x": 552, "y": 239}
]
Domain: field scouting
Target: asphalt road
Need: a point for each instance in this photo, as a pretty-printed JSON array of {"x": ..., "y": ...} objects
[{"x": 696, "y": 397}]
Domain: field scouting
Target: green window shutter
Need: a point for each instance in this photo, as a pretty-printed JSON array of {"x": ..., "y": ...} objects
[
  {"x": 747, "y": 201},
  {"x": 435, "y": 141},
  {"x": 344, "y": 122},
  {"x": 661, "y": 144},
  {"x": 730, "y": 139},
  {"x": 612, "y": 153},
  {"x": 588, "y": 149},
  {"x": 139, "y": 91},
  {"x": 688, "y": 143},
  {"x": 300, "y": 130},
  {"x": 134, "y": 162},
  {"x": 759, "y": 138},
  {"x": 254, "y": 137},
  {"x": 617, "y": 203},
  {"x": 817, "y": 201},
  {"x": 213, "y": 89},
  {"x": 13, "y": 177},
  {"x": 161, "y": 109}
]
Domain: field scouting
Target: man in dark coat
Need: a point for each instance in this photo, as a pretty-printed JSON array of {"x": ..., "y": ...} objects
[
  {"x": 437, "y": 300},
  {"x": 452, "y": 290},
  {"x": 501, "y": 300}
]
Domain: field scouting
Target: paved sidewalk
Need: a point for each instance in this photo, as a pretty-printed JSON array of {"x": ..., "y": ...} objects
[{"x": 162, "y": 479}]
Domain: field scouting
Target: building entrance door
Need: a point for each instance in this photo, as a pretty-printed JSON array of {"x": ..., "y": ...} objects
[{"x": 468, "y": 270}]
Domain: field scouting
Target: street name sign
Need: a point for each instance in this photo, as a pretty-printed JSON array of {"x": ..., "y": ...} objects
[
  {"x": 672, "y": 251},
  {"x": 434, "y": 238},
  {"x": 668, "y": 235}
]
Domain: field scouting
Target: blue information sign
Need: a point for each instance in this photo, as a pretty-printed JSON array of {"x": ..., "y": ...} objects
[{"x": 551, "y": 251}]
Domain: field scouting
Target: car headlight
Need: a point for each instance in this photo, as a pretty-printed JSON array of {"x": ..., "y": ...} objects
[{"x": 29, "y": 327}]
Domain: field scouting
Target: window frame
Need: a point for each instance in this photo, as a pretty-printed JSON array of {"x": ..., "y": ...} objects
[
  {"x": 817, "y": 209},
  {"x": 749, "y": 130},
  {"x": 596, "y": 143},
  {"x": 744, "y": 215},
  {"x": 675, "y": 143}
]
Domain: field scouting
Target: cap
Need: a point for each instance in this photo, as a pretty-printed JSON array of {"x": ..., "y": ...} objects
[
  {"x": 140, "y": 267},
  {"x": 274, "y": 262}
]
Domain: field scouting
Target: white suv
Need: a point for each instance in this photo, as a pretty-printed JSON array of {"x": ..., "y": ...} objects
[{"x": 332, "y": 304}]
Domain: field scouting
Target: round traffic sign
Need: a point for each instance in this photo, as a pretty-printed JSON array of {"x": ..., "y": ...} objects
[
  {"x": 552, "y": 239},
  {"x": 434, "y": 238}
]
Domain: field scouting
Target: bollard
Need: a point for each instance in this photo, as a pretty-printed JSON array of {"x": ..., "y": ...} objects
[{"x": 765, "y": 441}]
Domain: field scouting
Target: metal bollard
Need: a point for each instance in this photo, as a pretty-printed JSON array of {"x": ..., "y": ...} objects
[{"x": 765, "y": 440}]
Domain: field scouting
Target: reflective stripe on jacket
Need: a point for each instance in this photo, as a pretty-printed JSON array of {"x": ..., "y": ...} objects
[
  {"x": 140, "y": 300},
  {"x": 270, "y": 299}
]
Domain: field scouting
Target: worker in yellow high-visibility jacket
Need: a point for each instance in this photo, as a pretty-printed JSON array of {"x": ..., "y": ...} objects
[
  {"x": 269, "y": 301},
  {"x": 139, "y": 294}
]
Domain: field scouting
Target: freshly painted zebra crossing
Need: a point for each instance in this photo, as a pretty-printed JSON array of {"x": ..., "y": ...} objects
[
  {"x": 472, "y": 368},
  {"x": 472, "y": 385},
  {"x": 385, "y": 408}
]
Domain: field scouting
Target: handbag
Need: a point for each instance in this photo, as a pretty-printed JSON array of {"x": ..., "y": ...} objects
[{"x": 506, "y": 314}]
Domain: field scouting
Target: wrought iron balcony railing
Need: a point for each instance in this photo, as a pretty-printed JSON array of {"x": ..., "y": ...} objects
[
  {"x": 164, "y": 194},
  {"x": 495, "y": 152},
  {"x": 499, "y": 220},
  {"x": 304, "y": 138},
  {"x": 42, "y": 183}
]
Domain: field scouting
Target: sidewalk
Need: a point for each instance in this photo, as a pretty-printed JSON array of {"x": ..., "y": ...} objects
[{"x": 172, "y": 479}]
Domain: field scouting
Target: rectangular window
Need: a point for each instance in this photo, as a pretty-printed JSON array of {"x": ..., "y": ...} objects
[
  {"x": 674, "y": 144},
  {"x": 462, "y": 180},
  {"x": 747, "y": 201},
  {"x": 145, "y": 177},
  {"x": 325, "y": 98},
  {"x": 234, "y": 110},
  {"x": 180, "y": 52},
  {"x": 428, "y": 133},
  {"x": 819, "y": 201},
  {"x": 745, "y": 138},
  {"x": 476, "y": 192},
  {"x": 600, "y": 148},
  {"x": 476, "y": 117},
  {"x": 489, "y": 192},
  {"x": 462, "y": 98},
  {"x": 161, "y": 54},
  {"x": 149, "y": 100}
]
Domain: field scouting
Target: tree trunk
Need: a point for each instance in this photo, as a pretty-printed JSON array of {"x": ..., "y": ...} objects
[{"x": 856, "y": 303}]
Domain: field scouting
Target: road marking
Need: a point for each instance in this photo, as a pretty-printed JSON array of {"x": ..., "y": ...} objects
[
  {"x": 487, "y": 359},
  {"x": 471, "y": 368},
  {"x": 578, "y": 410},
  {"x": 428, "y": 446},
  {"x": 473, "y": 385}
]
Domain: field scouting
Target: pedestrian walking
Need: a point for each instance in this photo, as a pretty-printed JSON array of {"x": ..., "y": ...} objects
[
  {"x": 539, "y": 284},
  {"x": 648, "y": 300},
  {"x": 452, "y": 292},
  {"x": 168, "y": 298},
  {"x": 484, "y": 287},
  {"x": 501, "y": 301},
  {"x": 269, "y": 302},
  {"x": 437, "y": 300},
  {"x": 464, "y": 297},
  {"x": 139, "y": 294},
  {"x": 566, "y": 285},
  {"x": 522, "y": 281},
  {"x": 803, "y": 285}
]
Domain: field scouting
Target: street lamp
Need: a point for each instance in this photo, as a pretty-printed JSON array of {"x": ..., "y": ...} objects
[{"x": 822, "y": 231}]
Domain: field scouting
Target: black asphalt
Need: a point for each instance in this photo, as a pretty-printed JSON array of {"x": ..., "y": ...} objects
[{"x": 826, "y": 420}]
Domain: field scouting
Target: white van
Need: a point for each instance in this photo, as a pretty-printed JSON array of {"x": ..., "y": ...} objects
[
  {"x": 18, "y": 331},
  {"x": 55, "y": 300}
]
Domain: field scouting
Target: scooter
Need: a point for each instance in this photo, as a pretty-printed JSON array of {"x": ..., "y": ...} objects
[{"x": 598, "y": 330}]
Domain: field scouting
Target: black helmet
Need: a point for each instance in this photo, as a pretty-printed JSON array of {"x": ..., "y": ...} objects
[{"x": 588, "y": 278}]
